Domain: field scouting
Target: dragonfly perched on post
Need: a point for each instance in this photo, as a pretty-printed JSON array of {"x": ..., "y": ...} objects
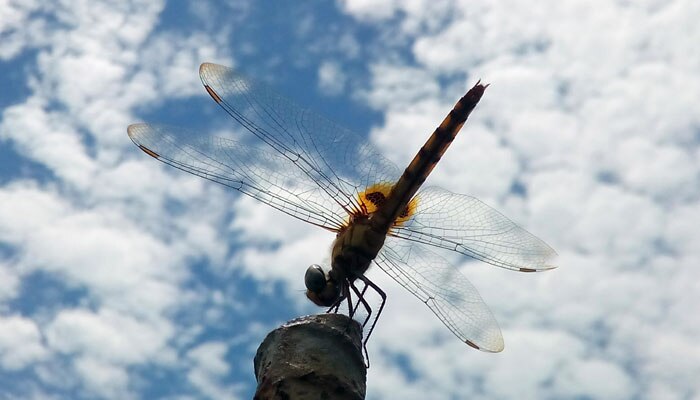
[{"x": 322, "y": 173}]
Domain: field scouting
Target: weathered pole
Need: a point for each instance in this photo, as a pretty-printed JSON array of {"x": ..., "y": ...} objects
[{"x": 312, "y": 357}]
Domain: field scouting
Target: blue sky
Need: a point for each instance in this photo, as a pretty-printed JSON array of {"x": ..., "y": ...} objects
[{"x": 123, "y": 278}]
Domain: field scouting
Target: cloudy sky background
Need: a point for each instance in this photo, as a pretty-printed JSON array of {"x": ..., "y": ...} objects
[{"x": 123, "y": 278}]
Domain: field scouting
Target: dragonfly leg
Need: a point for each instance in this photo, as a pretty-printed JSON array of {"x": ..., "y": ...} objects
[
  {"x": 334, "y": 307},
  {"x": 361, "y": 299},
  {"x": 351, "y": 309},
  {"x": 381, "y": 307},
  {"x": 369, "y": 283},
  {"x": 339, "y": 301}
]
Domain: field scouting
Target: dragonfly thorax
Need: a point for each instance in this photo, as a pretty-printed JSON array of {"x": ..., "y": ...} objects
[{"x": 353, "y": 251}]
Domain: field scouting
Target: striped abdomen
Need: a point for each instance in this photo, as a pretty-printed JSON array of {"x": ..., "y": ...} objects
[{"x": 426, "y": 159}]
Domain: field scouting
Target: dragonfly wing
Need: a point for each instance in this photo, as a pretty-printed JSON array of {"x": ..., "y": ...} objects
[
  {"x": 468, "y": 226},
  {"x": 262, "y": 174},
  {"x": 340, "y": 161},
  {"x": 447, "y": 292}
]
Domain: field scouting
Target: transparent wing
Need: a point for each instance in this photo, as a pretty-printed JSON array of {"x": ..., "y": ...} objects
[
  {"x": 340, "y": 162},
  {"x": 468, "y": 226},
  {"x": 264, "y": 175},
  {"x": 444, "y": 290}
]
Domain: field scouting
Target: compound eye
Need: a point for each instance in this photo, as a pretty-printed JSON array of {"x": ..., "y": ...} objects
[{"x": 315, "y": 278}]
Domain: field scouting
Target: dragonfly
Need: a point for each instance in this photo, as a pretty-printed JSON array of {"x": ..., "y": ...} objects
[{"x": 320, "y": 172}]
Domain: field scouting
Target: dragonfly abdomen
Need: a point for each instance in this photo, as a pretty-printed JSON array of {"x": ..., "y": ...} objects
[{"x": 425, "y": 160}]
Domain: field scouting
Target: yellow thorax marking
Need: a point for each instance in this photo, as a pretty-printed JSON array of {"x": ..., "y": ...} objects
[{"x": 375, "y": 196}]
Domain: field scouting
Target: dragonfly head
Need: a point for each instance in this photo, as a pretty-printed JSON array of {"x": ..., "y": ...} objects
[{"x": 321, "y": 288}]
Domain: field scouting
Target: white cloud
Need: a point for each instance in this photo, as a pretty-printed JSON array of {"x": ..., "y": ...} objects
[
  {"x": 664, "y": 172},
  {"x": 681, "y": 231},
  {"x": 9, "y": 281},
  {"x": 103, "y": 379},
  {"x": 398, "y": 86},
  {"x": 548, "y": 363},
  {"x": 47, "y": 137},
  {"x": 597, "y": 379},
  {"x": 93, "y": 248},
  {"x": 98, "y": 67},
  {"x": 102, "y": 346},
  {"x": 208, "y": 370},
  {"x": 331, "y": 78},
  {"x": 416, "y": 16},
  {"x": 102, "y": 223},
  {"x": 621, "y": 224},
  {"x": 368, "y": 8},
  {"x": 109, "y": 336},
  {"x": 20, "y": 343},
  {"x": 17, "y": 29}
]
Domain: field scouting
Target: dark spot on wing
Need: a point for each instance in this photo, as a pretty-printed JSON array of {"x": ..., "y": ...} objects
[
  {"x": 472, "y": 344},
  {"x": 149, "y": 151},
  {"x": 213, "y": 94}
]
